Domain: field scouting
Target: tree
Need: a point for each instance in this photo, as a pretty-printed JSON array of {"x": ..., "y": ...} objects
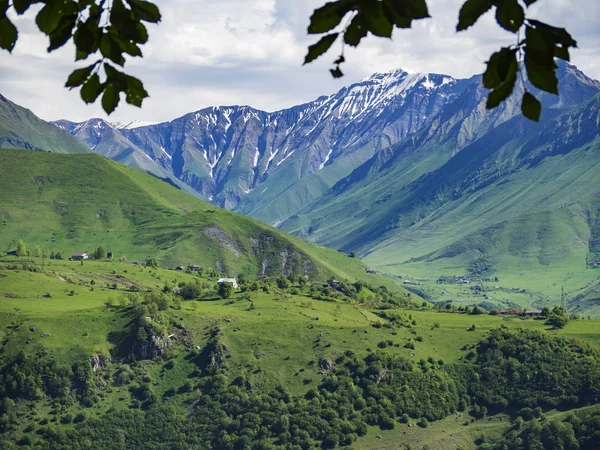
[
  {"x": 100, "y": 253},
  {"x": 558, "y": 318},
  {"x": 225, "y": 290},
  {"x": 190, "y": 291},
  {"x": 108, "y": 31},
  {"x": 37, "y": 251},
  {"x": 151, "y": 262},
  {"x": 21, "y": 251},
  {"x": 283, "y": 282}
]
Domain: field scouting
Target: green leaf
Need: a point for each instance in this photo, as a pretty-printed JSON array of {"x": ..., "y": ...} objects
[
  {"x": 541, "y": 77},
  {"x": 110, "y": 98},
  {"x": 396, "y": 13},
  {"x": 501, "y": 76},
  {"x": 502, "y": 92},
  {"x": 8, "y": 34},
  {"x": 48, "y": 18},
  {"x": 52, "y": 15},
  {"x": 61, "y": 35},
  {"x": 355, "y": 31},
  {"x": 562, "y": 53},
  {"x": 79, "y": 76},
  {"x": 557, "y": 35},
  {"x": 510, "y": 15},
  {"x": 127, "y": 46},
  {"x": 538, "y": 48},
  {"x": 111, "y": 50},
  {"x": 471, "y": 11},
  {"x": 376, "y": 20},
  {"x": 91, "y": 89},
  {"x": 86, "y": 38},
  {"x": 501, "y": 65},
  {"x": 135, "y": 93},
  {"x": 336, "y": 73},
  {"x": 23, "y": 5},
  {"x": 145, "y": 11},
  {"x": 316, "y": 50},
  {"x": 328, "y": 16},
  {"x": 407, "y": 9},
  {"x": 418, "y": 8},
  {"x": 531, "y": 107}
]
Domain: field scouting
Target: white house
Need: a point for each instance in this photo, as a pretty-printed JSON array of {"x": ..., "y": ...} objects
[{"x": 228, "y": 280}]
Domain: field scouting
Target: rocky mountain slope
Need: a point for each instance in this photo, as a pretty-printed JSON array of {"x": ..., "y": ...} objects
[
  {"x": 271, "y": 165},
  {"x": 226, "y": 153}
]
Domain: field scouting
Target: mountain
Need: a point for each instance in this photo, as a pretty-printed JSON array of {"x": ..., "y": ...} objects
[
  {"x": 244, "y": 159},
  {"x": 271, "y": 165},
  {"x": 20, "y": 128},
  {"x": 75, "y": 203},
  {"x": 401, "y": 185},
  {"x": 521, "y": 198}
]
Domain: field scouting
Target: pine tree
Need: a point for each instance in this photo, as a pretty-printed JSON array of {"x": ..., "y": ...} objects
[{"x": 37, "y": 251}]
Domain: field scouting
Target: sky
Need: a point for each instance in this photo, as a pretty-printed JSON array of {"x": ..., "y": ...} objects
[{"x": 250, "y": 52}]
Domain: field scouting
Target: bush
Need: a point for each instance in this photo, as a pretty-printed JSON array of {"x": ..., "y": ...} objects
[
  {"x": 190, "y": 291},
  {"x": 226, "y": 289}
]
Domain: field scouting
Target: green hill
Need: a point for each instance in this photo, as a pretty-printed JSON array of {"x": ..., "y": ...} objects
[
  {"x": 20, "y": 128},
  {"x": 106, "y": 355},
  {"x": 77, "y": 203}
]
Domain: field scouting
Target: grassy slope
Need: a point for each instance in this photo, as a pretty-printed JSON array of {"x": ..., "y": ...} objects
[
  {"x": 528, "y": 206},
  {"x": 69, "y": 203},
  {"x": 278, "y": 342},
  {"x": 536, "y": 226},
  {"x": 19, "y": 127}
]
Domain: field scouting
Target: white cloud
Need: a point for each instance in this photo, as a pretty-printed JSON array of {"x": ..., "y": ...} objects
[{"x": 217, "y": 52}]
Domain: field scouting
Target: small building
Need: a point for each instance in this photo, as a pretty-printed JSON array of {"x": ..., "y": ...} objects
[
  {"x": 179, "y": 268},
  {"x": 195, "y": 267},
  {"x": 79, "y": 256},
  {"x": 369, "y": 270},
  {"x": 532, "y": 313},
  {"x": 228, "y": 280}
]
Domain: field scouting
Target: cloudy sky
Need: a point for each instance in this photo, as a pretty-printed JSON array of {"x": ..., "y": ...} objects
[{"x": 223, "y": 52}]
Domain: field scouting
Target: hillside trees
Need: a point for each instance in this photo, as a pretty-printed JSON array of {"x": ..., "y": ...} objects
[
  {"x": 21, "y": 248},
  {"x": 558, "y": 318},
  {"x": 190, "y": 291},
  {"x": 225, "y": 290},
  {"x": 108, "y": 31},
  {"x": 99, "y": 253}
]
